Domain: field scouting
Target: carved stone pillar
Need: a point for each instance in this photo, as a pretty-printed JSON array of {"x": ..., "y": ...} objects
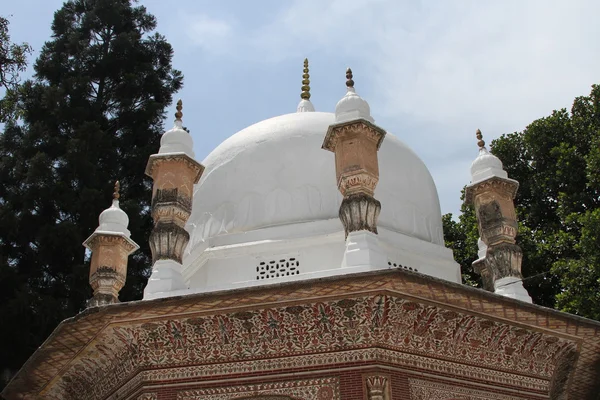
[
  {"x": 174, "y": 174},
  {"x": 355, "y": 145},
  {"x": 110, "y": 246}
]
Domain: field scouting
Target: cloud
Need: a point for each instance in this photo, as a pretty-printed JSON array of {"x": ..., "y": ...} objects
[
  {"x": 211, "y": 34},
  {"x": 435, "y": 71}
]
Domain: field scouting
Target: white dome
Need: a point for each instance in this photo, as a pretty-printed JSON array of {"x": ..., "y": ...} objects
[
  {"x": 485, "y": 166},
  {"x": 114, "y": 220},
  {"x": 275, "y": 173}
]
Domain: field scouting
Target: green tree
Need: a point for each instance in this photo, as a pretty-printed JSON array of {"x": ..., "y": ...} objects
[
  {"x": 13, "y": 61},
  {"x": 557, "y": 163},
  {"x": 92, "y": 115}
]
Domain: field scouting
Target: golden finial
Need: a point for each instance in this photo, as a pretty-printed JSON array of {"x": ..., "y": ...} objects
[
  {"x": 305, "y": 82},
  {"x": 116, "y": 194},
  {"x": 179, "y": 114},
  {"x": 349, "y": 81},
  {"x": 480, "y": 141}
]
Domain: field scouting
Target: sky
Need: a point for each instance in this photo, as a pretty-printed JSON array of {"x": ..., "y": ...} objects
[{"x": 432, "y": 71}]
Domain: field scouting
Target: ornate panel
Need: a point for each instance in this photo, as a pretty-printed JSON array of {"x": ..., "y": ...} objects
[
  {"x": 308, "y": 389},
  {"x": 389, "y": 322},
  {"x": 427, "y": 390}
]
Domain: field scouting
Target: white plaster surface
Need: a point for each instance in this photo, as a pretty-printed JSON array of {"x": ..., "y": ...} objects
[
  {"x": 177, "y": 140},
  {"x": 351, "y": 107},
  {"x": 486, "y": 166},
  {"x": 166, "y": 277},
  {"x": 114, "y": 220},
  {"x": 275, "y": 173},
  {"x": 512, "y": 287}
]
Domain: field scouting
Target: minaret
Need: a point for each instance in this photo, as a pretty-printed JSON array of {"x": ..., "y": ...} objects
[
  {"x": 492, "y": 193},
  {"x": 174, "y": 171},
  {"x": 110, "y": 245},
  {"x": 355, "y": 140},
  {"x": 305, "y": 105}
]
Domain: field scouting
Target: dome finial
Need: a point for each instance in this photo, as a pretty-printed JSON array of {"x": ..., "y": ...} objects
[
  {"x": 480, "y": 141},
  {"x": 179, "y": 114},
  {"x": 305, "y": 82},
  {"x": 349, "y": 81},
  {"x": 116, "y": 194}
]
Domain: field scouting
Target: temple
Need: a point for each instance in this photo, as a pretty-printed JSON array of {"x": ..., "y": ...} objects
[{"x": 304, "y": 258}]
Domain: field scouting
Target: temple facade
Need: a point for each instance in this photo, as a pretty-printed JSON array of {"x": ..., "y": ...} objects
[{"x": 304, "y": 259}]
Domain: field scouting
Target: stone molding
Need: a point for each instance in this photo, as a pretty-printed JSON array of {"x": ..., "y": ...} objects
[
  {"x": 506, "y": 186},
  {"x": 318, "y": 389},
  {"x": 359, "y": 126},
  {"x": 156, "y": 160},
  {"x": 111, "y": 239}
]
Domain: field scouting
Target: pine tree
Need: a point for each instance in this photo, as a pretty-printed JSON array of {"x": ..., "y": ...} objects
[{"x": 92, "y": 114}]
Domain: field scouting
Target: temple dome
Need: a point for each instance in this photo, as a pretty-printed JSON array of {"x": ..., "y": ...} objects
[{"x": 274, "y": 173}]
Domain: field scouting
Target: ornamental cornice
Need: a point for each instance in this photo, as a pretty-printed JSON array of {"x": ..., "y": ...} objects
[
  {"x": 157, "y": 159},
  {"x": 101, "y": 238},
  {"x": 357, "y": 126},
  {"x": 505, "y": 186}
]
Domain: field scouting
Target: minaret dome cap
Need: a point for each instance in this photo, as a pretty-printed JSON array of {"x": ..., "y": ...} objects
[{"x": 352, "y": 106}]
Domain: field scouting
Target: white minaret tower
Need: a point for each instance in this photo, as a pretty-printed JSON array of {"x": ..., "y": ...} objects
[
  {"x": 174, "y": 171},
  {"x": 492, "y": 192},
  {"x": 355, "y": 140},
  {"x": 111, "y": 245}
]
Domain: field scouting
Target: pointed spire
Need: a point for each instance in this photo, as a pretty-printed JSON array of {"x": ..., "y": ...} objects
[
  {"x": 349, "y": 81},
  {"x": 305, "y": 82},
  {"x": 480, "y": 141},
  {"x": 116, "y": 194},
  {"x": 305, "y": 105},
  {"x": 179, "y": 114}
]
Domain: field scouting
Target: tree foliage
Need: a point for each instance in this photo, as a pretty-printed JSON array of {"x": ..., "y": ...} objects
[
  {"x": 13, "y": 61},
  {"x": 556, "y": 160},
  {"x": 92, "y": 115}
]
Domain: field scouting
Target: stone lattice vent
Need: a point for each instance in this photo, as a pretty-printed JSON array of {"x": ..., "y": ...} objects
[
  {"x": 270, "y": 269},
  {"x": 398, "y": 265}
]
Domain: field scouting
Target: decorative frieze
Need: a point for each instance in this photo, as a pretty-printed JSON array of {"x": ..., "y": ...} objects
[
  {"x": 430, "y": 390},
  {"x": 318, "y": 389}
]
